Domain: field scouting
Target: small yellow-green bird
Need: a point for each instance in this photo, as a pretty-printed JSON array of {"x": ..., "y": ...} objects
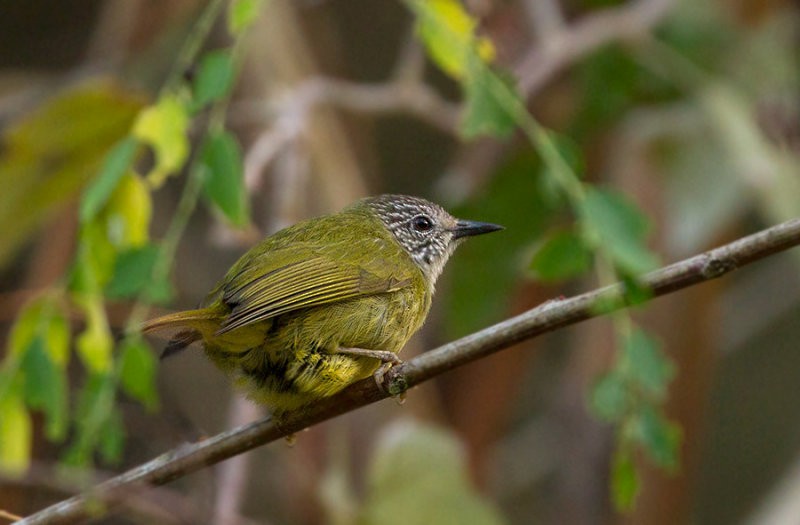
[{"x": 326, "y": 302}]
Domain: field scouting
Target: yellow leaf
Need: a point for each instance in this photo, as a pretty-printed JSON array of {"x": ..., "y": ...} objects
[
  {"x": 128, "y": 213},
  {"x": 95, "y": 343},
  {"x": 15, "y": 436},
  {"x": 163, "y": 127},
  {"x": 448, "y": 32}
]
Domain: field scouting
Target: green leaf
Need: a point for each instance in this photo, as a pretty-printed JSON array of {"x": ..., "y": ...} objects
[
  {"x": 647, "y": 364},
  {"x": 490, "y": 101},
  {"x": 42, "y": 318},
  {"x": 448, "y": 32},
  {"x": 111, "y": 441},
  {"x": 561, "y": 257},
  {"x": 132, "y": 272},
  {"x": 94, "y": 408},
  {"x": 610, "y": 399},
  {"x": 624, "y": 480},
  {"x": 45, "y": 387},
  {"x": 241, "y": 14},
  {"x": 164, "y": 127},
  {"x": 115, "y": 165},
  {"x": 617, "y": 225},
  {"x": 16, "y": 436},
  {"x": 138, "y": 372},
  {"x": 214, "y": 78},
  {"x": 95, "y": 342},
  {"x": 221, "y": 161},
  {"x": 659, "y": 437},
  {"x": 424, "y": 465}
]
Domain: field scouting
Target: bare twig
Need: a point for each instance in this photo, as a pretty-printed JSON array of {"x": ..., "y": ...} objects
[{"x": 542, "y": 319}]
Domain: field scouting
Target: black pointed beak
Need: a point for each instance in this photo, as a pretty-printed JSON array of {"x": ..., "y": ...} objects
[{"x": 470, "y": 228}]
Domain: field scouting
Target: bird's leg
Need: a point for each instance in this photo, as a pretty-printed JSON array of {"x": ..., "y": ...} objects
[{"x": 384, "y": 356}]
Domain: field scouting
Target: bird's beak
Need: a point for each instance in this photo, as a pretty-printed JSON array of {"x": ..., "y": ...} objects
[{"x": 470, "y": 228}]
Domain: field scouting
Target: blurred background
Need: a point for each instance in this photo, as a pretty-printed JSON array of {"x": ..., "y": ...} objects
[{"x": 690, "y": 107}]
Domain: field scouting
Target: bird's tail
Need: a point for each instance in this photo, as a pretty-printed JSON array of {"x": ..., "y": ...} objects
[{"x": 188, "y": 326}]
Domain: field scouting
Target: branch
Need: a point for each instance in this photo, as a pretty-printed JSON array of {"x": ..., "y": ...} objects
[{"x": 545, "y": 318}]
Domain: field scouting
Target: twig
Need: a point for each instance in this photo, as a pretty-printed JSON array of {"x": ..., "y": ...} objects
[
  {"x": 544, "y": 318},
  {"x": 4, "y": 514}
]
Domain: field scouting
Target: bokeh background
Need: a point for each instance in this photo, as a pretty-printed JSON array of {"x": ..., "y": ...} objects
[{"x": 690, "y": 107}]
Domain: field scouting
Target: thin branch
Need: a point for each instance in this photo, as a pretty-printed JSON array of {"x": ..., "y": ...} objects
[{"x": 542, "y": 319}]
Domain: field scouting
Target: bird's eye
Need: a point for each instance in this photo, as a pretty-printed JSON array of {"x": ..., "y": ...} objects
[{"x": 421, "y": 223}]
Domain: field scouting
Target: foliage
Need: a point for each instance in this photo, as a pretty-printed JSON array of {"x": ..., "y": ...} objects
[{"x": 107, "y": 131}]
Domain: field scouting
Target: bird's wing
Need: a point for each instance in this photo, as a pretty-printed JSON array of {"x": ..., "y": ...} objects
[{"x": 303, "y": 282}]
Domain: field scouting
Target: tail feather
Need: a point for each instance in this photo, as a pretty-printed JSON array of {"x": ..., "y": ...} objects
[{"x": 190, "y": 326}]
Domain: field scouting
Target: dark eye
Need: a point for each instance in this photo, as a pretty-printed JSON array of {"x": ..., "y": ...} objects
[{"x": 421, "y": 223}]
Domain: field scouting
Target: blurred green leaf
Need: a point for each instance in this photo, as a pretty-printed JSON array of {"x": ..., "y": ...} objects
[
  {"x": 111, "y": 441},
  {"x": 624, "y": 480},
  {"x": 659, "y": 437},
  {"x": 619, "y": 227},
  {"x": 214, "y": 78},
  {"x": 138, "y": 372},
  {"x": 561, "y": 257},
  {"x": 16, "y": 436},
  {"x": 221, "y": 161},
  {"x": 45, "y": 387},
  {"x": 448, "y": 32},
  {"x": 115, "y": 165},
  {"x": 488, "y": 98},
  {"x": 610, "y": 399},
  {"x": 132, "y": 272},
  {"x": 164, "y": 127},
  {"x": 43, "y": 318},
  {"x": 95, "y": 343},
  {"x": 241, "y": 14},
  {"x": 418, "y": 476},
  {"x": 49, "y": 154},
  {"x": 94, "y": 408},
  {"x": 647, "y": 364}
]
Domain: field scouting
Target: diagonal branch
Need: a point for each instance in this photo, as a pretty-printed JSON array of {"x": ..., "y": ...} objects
[{"x": 544, "y": 318}]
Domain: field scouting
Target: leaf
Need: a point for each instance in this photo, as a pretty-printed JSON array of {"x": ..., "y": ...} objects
[
  {"x": 138, "y": 372},
  {"x": 241, "y": 14},
  {"x": 95, "y": 343},
  {"x": 561, "y": 257},
  {"x": 221, "y": 161},
  {"x": 618, "y": 226},
  {"x": 624, "y": 480},
  {"x": 164, "y": 127},
  {"x": 610, "y": 399},
  {"x": 448, "y": 33},
  {"x": 426, "y": 466},
  {"x": 43, "y": 318},
  {"x": 15, "y": 436},
  {"x": 51, "y": 152},
  {"x": 214, "y": 78},
  {"x": 94, "y": 408},
  {"x": 647, "y": 364},
  {"x": 132, "y": 272},
  {"x": 659, "y": 437},
  {"x": 115, "y": 165},
  {"x": 490, "y": 102},
  {"x": 128, "y": 212},
  {"x": 111, "y": 439},
  {"x": 45, "y": 387}
]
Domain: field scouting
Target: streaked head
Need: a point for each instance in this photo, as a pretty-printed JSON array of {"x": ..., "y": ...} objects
[{"x": 425, "y": 230}]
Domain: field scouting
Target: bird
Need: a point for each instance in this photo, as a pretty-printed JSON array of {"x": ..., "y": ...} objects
[{"x": 324, "y": 303}]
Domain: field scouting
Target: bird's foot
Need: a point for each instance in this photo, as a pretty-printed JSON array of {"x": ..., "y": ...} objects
[{"x": 388, "y": 359}]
